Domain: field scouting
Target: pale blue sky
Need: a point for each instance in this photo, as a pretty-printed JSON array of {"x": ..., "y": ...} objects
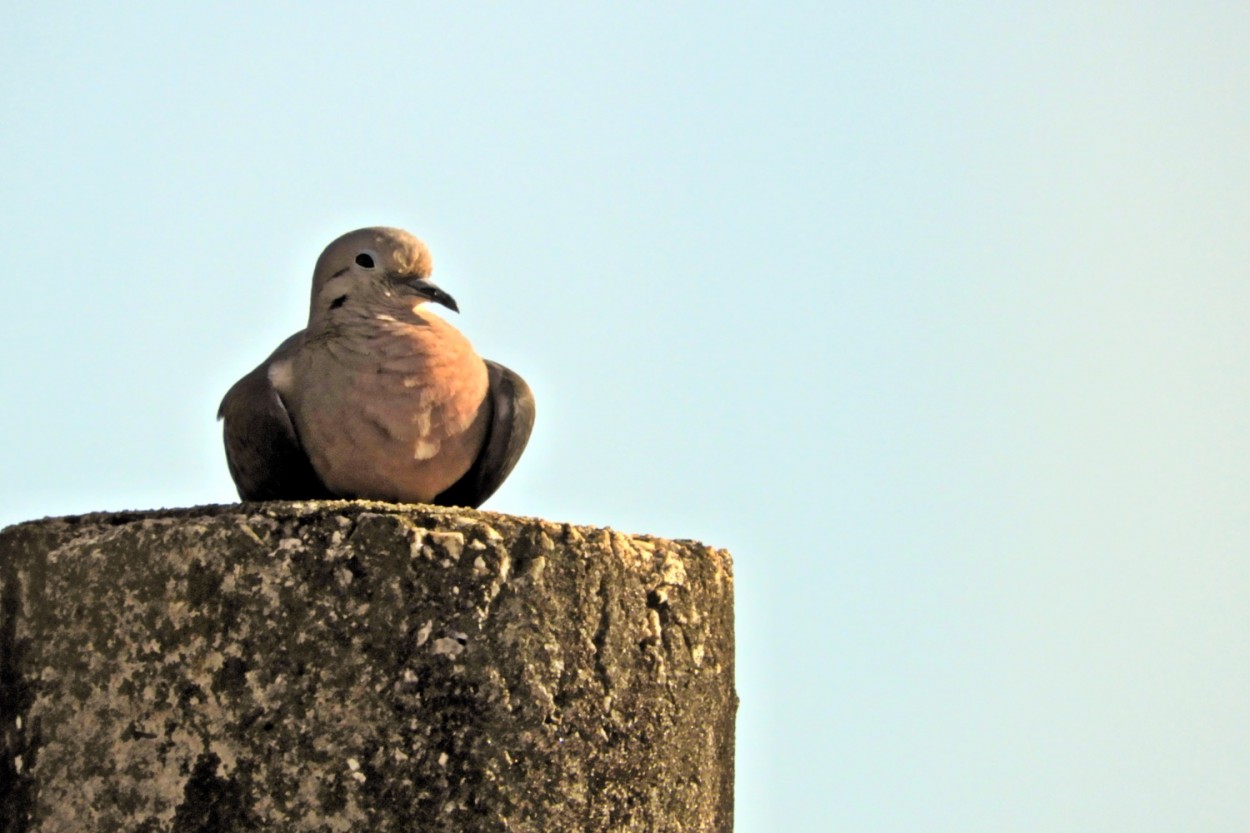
[{"x": 934, "y": 314}]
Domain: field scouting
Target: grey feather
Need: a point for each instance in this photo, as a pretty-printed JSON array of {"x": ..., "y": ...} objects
[{"x": 263, "y": 449}]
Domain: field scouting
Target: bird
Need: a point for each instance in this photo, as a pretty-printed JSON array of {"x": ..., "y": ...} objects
[{"x": 377, "y": 397}]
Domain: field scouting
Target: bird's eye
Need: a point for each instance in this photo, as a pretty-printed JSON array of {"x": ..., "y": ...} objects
[{"x": 365, "y": 260}]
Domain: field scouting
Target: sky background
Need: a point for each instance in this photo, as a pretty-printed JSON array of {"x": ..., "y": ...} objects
[{"x": 934, "y": 314}]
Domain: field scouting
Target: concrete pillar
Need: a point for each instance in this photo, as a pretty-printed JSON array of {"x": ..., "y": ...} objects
[{"x": 357, "y": 666}]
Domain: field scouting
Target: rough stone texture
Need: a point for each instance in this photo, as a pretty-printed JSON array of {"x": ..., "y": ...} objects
[{"x": 361, "y": 666}]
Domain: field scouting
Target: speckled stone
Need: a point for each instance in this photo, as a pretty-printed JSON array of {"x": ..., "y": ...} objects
[{"x": 337, "y": 666}]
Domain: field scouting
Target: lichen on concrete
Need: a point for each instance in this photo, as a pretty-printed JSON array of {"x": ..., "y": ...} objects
[{"x": 361, "y": 666}]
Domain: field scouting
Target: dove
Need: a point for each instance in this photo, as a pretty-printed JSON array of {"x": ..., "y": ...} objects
[{"x": 377, "y": 397}]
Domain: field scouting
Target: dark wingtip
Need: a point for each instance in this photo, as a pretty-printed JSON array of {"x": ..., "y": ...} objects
[{"x": 512, "y": 420}]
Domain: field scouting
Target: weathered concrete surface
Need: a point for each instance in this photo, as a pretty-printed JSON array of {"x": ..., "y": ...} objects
[{"x": 361, "y": 666}]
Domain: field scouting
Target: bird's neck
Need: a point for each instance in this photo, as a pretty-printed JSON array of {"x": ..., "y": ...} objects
[
  {"x": 374, "y": 315},
  {"x": 398, "y": 338}
]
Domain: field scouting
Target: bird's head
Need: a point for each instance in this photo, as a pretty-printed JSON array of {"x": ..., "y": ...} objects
[{"x": 375, "y": 265}]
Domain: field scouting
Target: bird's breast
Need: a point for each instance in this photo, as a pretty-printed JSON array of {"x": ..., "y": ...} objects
[{"x": 391, "y": 410}]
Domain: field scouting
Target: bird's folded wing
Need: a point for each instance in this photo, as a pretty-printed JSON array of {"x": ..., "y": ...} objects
[
  {"x": 512, "y": 419},
  {"x": 263, "y": 449}
]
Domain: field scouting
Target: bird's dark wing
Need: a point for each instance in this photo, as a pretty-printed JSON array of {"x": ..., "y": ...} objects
[
  {"x": 263, "y": 449},
  {"x": 512, "y": 419}
]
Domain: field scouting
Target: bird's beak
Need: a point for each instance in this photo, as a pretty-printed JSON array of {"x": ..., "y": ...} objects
[{"x": 431, "y": 292}]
